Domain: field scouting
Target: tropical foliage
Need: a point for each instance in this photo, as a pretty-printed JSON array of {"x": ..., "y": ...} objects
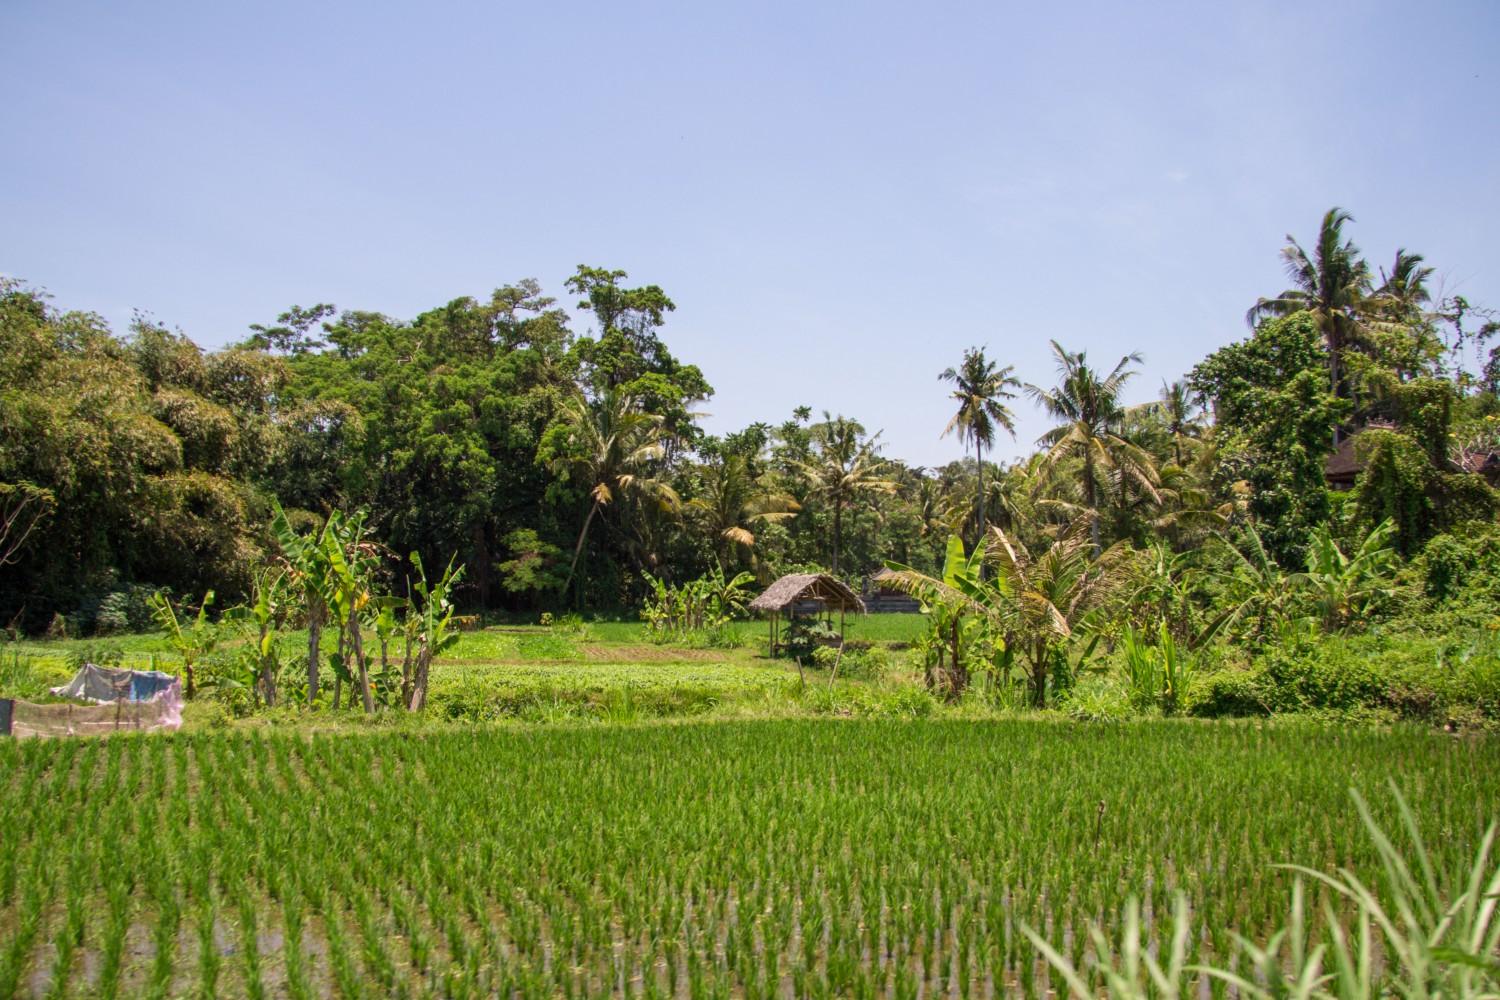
[{"x": 307, "y": 473}]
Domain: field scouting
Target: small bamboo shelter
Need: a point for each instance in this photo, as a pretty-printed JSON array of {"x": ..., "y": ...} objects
[{"x": 829, "y": 592}]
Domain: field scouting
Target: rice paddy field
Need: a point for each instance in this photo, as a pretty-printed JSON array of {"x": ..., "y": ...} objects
[{"x": 771, "y": 858}]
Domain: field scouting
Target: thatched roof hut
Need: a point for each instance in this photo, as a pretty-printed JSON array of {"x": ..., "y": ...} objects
[{"x": 829, "y": 591}]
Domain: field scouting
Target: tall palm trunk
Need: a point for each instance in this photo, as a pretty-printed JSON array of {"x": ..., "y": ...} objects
[
  {"x": 979, "y": 501},
  {"x": 1335, "y": 349},
  {"x": 1090, "y": 498},
  {"x": 578, "y": 550},
  {"x": 1039, "y": 675},
  {"x": 838, "y": 532}
]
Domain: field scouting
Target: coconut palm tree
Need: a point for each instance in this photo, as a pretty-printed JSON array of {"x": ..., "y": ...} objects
[
  {"x": 612, "y": 446},
  {"x": 843, "y": 468},
  {"x": 980, "y": 386},
  {"x": 1333, "y": 283},
  {"x": 1089, "y": 408},
  {"x": 731, "y": 500},
  {"x": 1403, "y": 290},
  {"x": 1183, "y": 412}
]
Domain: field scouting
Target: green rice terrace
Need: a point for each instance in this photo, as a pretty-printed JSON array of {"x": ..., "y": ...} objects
[{"x": 762, "y": 859}]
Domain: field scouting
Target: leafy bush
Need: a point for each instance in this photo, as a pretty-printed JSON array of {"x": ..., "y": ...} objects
[
  {"x": 572, "y": 625},
  {"x": 870, "y": 664},
  {"x": 804, "y": 635},
  {"x": 1476, "y": 677},
  {"x": 127, "y": 610},
  {"x": 1449, "y": 563},
  {"x": 1233, "y": 691}
]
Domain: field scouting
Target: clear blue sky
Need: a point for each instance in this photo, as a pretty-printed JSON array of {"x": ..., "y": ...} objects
[{"x": 839, "y": 197}]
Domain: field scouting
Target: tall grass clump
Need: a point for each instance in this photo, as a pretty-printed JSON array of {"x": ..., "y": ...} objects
[{"x": 1406, "y": 929}]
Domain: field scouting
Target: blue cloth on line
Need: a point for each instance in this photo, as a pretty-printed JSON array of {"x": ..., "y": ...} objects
[{"x": 147, "y": 684}]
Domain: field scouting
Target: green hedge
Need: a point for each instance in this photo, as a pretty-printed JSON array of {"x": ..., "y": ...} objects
[{"x": 1399, "y": 677}]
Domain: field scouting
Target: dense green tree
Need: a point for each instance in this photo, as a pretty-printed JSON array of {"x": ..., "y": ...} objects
[
  {"x": 139, "y": 457},
  {"x": 628, "y": 355},
  {"x": 1276, "y": 413},
  {"x": 434, "y": 425},
  {"x": 845, "y": 467}
]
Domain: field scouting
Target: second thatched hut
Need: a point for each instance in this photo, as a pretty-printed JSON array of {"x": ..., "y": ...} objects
[{"x": 829, "y": 593}]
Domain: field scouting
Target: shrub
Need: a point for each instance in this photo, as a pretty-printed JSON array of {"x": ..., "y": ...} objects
[
  {"x": 1375, "y": 677},
  {"x": 1231, "y": 691},
  {"x": 865, "y": 664},
  {"x": 1449, "y": 562},
  {"x": 1476, "y": 678},
  {"x": 1318, "y": 676},
  {"x": 802, "y": 636},
  {"x": 573, "y": 625},
  {"x": 127, "y": 610}
]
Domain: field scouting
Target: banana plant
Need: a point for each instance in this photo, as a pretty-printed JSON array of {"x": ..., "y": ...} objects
[
  {"x": 431, "y": 615},
  {"x": 350, "y": 561},
  {"x": 1258, "y": 590},
  {"x": 194, "y": 641},
  {"x": 727, "y": 596},
  {"x": 262, "y": 618},
  {"x": 944, "y": 601},
  {"x": 307, "y": 570},
  {"x": 1345, "y": 587},
  {"x": 387, "y": 682}
]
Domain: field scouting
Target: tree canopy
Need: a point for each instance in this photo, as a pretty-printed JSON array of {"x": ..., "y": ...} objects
[{"x": 565, "y": 467}]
